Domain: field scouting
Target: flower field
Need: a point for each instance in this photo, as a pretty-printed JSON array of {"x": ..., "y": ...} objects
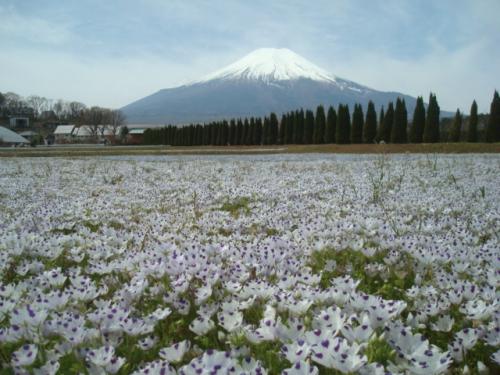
[{"x": 294, "y": 264}]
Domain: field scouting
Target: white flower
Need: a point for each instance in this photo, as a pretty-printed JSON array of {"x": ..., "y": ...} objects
[
  {"x": 443, "y": 324},
  {"x": 431, "y": 361},
  {"x": 147, "y": 342},
  {"x": 230, "y": 320},
  {"x": 202, "y": 294},
  {"x": 301, "y": 368},
  {"x": 175, "y": 352},
  {"x": 478, "y": 309},
  {"x": 296, "y": 351},
  {"x": 49, "y": 368},
  {"x": 496, "y": 357},
  {"x": 160, "y": 314},
  {"x": 102, "y": 356},
  {"x": 336, "y": 353},
  {"x": 331, "y": 319},
  {"x": 360, "y": 333},
  {"x": 156, "y": 368},
  {"x": 201, "y": 325},
  {"x": 24, "y": 356}
]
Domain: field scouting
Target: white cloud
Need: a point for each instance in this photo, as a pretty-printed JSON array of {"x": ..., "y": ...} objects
[
  {"x": 457, "y": 77},
  {"x": 112, "y": 82},
  {"x": 18, "y": 27}
]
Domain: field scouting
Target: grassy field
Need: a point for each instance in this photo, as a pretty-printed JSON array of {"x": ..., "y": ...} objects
[{"x": 331, "y": 148}]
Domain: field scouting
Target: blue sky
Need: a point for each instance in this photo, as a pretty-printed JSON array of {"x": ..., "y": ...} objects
[{"x": 110, "y": 53}]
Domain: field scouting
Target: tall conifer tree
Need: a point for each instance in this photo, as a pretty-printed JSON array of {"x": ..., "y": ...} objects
[
  {"x": 493, "y": 126},
  {"x": 456, "y": 127},
  {"x": 299, "y": 127},
  {"x": 319, "y": 125},
  {"x": 418, "y": 122},
  {"x": 232, "y": 133},
  {"x": 331, "y": 125},
  {"x": 257, "y": 137},
  {"x": 289, "y": 128},
  {"x": 246, "y": 130},
  {"x": 265, "y": 131},
  {"x": 472, "y": 129},
  {"x": 239, "y": 131},
  {"x": 308, "y": 127},
  {"x": 281, "y": 137},
  {"x": 343, "y": 132},
  {"x": 370, "y": 127},
  {"x": 273, "y": 129},
  {"x": 380, "y": 124},
  {"x": 400, "y": 123},
  {"x": 431, "y": 129},
  {"x": 386, "y": 126},
  {"x": 357, "y": 124}
]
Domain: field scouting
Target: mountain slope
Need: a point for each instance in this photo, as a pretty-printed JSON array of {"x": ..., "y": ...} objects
[{"x": 267, "y": 80}]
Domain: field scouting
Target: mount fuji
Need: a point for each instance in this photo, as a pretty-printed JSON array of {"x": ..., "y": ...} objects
[{"x": 266, "y": 80}]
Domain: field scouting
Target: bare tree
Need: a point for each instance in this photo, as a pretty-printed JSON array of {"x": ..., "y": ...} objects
[
  {"x": 38, "y": 103},
  {"x": 59, "y": 108},
  {"x": 76, "y": 111},
  {"x": 116, "y": 119},
  {"x": 93, "y": 121},
  {"x": 13, "y": 102}
]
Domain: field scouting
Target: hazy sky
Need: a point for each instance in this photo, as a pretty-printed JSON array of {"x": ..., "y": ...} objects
[{"x": 109, "y": 53}]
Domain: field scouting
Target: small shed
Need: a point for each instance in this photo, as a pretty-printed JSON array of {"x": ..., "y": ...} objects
[{"x": 64, "y": 133}]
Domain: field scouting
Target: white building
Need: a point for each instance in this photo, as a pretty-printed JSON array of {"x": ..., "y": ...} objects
[{"x": 64, "y": 134}]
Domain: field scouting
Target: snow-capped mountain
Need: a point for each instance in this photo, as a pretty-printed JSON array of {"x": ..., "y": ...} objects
[
  {"x": 266, "y": 80},
  {"x": 271, "y": 64}
]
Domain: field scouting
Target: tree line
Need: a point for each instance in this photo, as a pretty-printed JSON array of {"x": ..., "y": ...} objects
[
  {"x": 391, "y": 125},
  {"x": 41, "y": 109}
]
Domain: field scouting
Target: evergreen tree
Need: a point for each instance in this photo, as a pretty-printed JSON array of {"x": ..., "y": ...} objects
[
  {"x": 431, "y": 129},
  {"x": 400, "y": 123},
  {"x": 265, "y": 131},
  {"x": 232, "y": 132},
  {"x": 380, "y": 124},
  {"x": 189, "y": 135},
  {"x": 246, "y": 130},
  {"x": 281, "y": 136},
  {"x": 418, "y": 123},
  {"x": 200, "y": 135},
  {"x": 386, "y": 126},
  {"x": 273, "y": 129},
  {"x": 289, "y": 128},
  {"x": 213, "y": 134},
  {"x": 456, "y": 128},
  {"x": 225, "y": 133},
  {"x": 298, "y": 127},
  {"x": 331, "y": 124},
  {"x": 257, "y": 137},
  {"x": 239, "y": 132},
  {"x": 493, "y": 126},
  {"x": 308, "y": 128},
  {"x": 370, "y": 128},
  {"x": 357, "y": 124},
  {"x": 472, "y": 130},
  {"x": 250, "y": 136},
  {"x": 343, "y": 130},
  {"x": 319, "y": 126}
]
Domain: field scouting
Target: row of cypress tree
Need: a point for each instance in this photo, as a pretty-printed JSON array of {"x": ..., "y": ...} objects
[{"x": 336, "y": 126}]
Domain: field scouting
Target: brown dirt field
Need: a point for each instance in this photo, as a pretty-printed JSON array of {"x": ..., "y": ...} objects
[{"x": 445, "y": 148}]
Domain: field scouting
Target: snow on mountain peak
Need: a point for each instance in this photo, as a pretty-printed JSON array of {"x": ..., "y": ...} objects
[{"x": 271, "y": 64}]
